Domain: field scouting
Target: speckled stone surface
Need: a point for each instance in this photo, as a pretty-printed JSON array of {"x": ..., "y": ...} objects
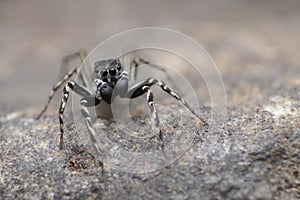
[
  {"x": 258, "y": 158},
  {"x": 254, "y": 154}
]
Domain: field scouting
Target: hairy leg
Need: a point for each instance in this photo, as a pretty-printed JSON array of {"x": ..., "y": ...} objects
[
  {"x": 71, "y": 86},
  {"x": 144, "y": 87},
  {"x": 82, "y": 71}
]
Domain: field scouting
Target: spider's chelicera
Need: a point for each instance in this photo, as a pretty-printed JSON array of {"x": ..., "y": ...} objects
[{"x": 111, "y": 80}]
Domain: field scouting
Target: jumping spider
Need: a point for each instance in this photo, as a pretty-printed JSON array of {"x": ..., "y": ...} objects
[{"x": 110, "y": 78}]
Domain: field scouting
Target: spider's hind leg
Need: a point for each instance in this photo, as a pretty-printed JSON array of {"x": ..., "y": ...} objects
[
  {"x": 83, "y": 75},
  {"x": 66, "y": 77},
  {"x": 138, "y": 61}
]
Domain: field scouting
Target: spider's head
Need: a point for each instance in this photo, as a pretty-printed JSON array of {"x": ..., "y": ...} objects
[{"x": 108, "y": 70}]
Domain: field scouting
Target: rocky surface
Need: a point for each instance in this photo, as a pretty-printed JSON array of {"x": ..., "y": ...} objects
[
  {"x": 258, "y": 158},
  {"x": 254, "y": 154}
]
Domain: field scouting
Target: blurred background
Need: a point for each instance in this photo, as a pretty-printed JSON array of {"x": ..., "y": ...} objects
[{"x": 246, "y": 39}]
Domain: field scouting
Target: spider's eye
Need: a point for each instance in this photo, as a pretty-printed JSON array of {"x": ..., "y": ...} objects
[
  {"x": 118, "y": 67},
  {"x": 112, "y": 71},
  {"x": 104, "y": 73}
]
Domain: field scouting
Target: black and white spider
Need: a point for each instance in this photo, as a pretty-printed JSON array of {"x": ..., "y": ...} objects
[{"x": 111, "y": 80}]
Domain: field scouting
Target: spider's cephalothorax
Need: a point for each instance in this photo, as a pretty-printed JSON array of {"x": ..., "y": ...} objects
[
  {"x": 108, "y": 70},
  {"x": 111, "y": 80}
]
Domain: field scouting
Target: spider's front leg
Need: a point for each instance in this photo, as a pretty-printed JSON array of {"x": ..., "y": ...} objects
[
  {"x": 84, "y": 104},
  {"x": 121, "y": 89},
  {"x": 71, "y": 85},
  {"x": 153, "y": 114},
  {"x": 144, "y": 87},
  {"x": 139, "y": 90},
  {"x": 89, "y": 100}
]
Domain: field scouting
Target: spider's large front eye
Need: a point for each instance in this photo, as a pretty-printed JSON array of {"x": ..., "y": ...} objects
[
  {"x": 104, "y": 73},
  {"x": 112, "y": 71},
  {"x": 118, "y": 67}
]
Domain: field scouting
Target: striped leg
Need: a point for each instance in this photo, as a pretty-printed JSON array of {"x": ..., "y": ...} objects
[
  {"x": 83, "y": 74},
  {"x": 133, "y": 70},
  {"x": 84, "y": 104},
  {"x": 165, "y": 88},
  {"x": 153, "y": 114},
  {"x": 144, "y": 87},
  {"x": 134, "y": 67},
  {"x": 71, "y": 85},
  {"x": 138, "y": 91},
  {"x": 56, "y": 87}
]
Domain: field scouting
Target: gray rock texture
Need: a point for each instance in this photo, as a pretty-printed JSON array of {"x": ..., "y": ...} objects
[{"x": 254, "y": 154}]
